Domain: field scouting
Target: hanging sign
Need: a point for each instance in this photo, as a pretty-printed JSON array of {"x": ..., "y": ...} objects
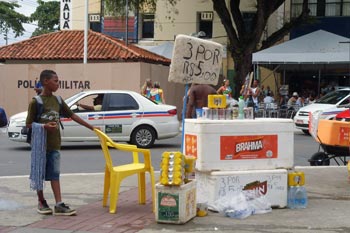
[
  {"x": 66, "y": 15},
  {"x": 195, "y": 61}
]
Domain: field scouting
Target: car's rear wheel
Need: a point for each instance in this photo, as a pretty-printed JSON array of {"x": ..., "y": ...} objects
[
  {"x": 319, "y": 159},
  {"x": 143, "y": 136}
]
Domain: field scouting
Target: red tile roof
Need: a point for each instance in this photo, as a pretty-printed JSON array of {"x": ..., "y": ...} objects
[{"x": 69, "y": 45}]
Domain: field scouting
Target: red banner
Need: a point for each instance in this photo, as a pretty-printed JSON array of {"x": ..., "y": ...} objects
[{"x": 248, "y": 147}]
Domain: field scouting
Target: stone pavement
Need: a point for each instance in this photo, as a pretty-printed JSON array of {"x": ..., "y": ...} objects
[{"x": 328, "y": 209}]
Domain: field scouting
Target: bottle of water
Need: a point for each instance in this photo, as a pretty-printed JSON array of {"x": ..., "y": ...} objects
[
  {"x": 297, "y": 196},
  {"x": 300, "y": 197},
  {"x": 290, "y": 197},
  {"x": 241, "y": 104}
]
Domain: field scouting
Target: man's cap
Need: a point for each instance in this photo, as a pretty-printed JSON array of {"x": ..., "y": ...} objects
[{"x": 295, "y": 94}]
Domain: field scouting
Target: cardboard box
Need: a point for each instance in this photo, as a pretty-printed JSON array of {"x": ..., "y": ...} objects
[
  {"x": 214, "y": 185},
  {"x": 233, "y": 145},
  {"x": 176, "y": 204}
]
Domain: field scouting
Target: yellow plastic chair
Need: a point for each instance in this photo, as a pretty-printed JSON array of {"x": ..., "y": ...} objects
[{"x": 115, "y": 174}]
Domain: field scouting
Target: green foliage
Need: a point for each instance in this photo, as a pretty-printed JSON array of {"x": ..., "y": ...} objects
[
  {"x": 47, "y": 16},
  {"x": 11, "y": 20},
  {"x": 117, "y": 7}
]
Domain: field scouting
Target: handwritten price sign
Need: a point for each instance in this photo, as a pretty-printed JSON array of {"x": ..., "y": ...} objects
[{"x": 195, "y": 61}]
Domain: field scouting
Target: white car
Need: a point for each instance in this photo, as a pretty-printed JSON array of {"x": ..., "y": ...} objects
[
  {"x": 330, "y": 105},
  {"x": 125, "y": 116}
]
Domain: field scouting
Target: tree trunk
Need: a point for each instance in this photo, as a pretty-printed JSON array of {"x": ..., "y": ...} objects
[{"x": 243, "y": 65}]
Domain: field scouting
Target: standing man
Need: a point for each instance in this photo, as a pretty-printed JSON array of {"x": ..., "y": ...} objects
[
  {"x": 198, "y": 98},
  {"x": 46, "y": 142}
]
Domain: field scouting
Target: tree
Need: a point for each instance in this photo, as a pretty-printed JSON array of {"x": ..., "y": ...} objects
[
  {"x": 243, "y": 43},
  {"x": 11, "y": 20},
  {"x": 47, "y": 14},
  {"x": 117, "y": 7}
]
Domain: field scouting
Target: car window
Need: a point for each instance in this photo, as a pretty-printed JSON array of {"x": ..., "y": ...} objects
[
  {"x": 121, "y": 101},
  {"x": 72, "y": 98},
  {"x": 345, "y": 102},
  {"x": 89, "y": 104},
  {"x": 333, "y": 97}
]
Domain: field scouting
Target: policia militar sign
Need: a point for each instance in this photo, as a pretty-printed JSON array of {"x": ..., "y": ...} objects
[{"x": 64, "y": 84}]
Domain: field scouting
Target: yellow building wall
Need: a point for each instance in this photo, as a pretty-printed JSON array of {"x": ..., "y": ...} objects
[
  {"x": 182, "y": 19},
  {"x": 78, "y": 12}
]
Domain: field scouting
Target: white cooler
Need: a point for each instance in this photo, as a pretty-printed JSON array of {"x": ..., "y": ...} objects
[
  {"x": 271, "y": 183},
  {"x": 226, "y": 145}
]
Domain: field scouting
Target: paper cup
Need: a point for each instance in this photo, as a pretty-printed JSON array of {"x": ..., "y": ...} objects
[{"x": 199, "y": 112}]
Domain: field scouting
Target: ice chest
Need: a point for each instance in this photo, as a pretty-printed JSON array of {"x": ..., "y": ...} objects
[
  {"x": 176, "y": 204},
  {"x": 333, "y": 133},
  {"x": 227, "y": 145},
  {"x": 271, "y": 183}
]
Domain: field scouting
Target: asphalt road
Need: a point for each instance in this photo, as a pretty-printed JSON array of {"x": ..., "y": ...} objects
[{"x": 88, "y": 158}]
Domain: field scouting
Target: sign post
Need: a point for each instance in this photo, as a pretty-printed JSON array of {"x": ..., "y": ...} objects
[{"x": 194, "y": 61}]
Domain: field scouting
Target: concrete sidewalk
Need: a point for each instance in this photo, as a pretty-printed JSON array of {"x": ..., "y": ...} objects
[{"x": 328, "y": 209}]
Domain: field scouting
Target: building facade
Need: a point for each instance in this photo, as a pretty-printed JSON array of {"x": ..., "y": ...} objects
[{"x": 152, "y": 28}]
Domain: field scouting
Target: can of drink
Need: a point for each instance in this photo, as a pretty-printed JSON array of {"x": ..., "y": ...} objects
[
  {"x": 222, "y": 114},
  {"x": 234, "y": 113},
  {"x": 228, "y": 114},
  {"x": 248, "y": 113},
  {"x": 215, "y": 113},
  {"x": 205, "y": 113}
]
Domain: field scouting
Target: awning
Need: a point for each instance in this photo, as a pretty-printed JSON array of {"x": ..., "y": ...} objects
[{"x": 319, "y": 47}]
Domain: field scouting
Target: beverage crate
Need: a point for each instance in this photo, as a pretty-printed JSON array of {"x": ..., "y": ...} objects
[{"x": 176, "y": 204}]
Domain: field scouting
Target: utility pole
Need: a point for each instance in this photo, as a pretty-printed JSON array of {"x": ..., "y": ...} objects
[
  {"x": 86, "y": 30},
  {"x": 7, "y": 35},
  {"x": 126, "y": 16}
]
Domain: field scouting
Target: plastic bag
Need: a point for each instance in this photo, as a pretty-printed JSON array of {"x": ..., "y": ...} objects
[
  {"x": 240, "y": 205},
  {"x": 234, "y": 206},
  {"x": 257, "y": 202}
]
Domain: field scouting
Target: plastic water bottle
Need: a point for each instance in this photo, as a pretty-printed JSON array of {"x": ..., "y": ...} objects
[
  {"x": 297, "y": 197},
  {"x": 241, "y": 104},
  {"x": 290, "y": 197},
  {"x": 300, "y": 197}
]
